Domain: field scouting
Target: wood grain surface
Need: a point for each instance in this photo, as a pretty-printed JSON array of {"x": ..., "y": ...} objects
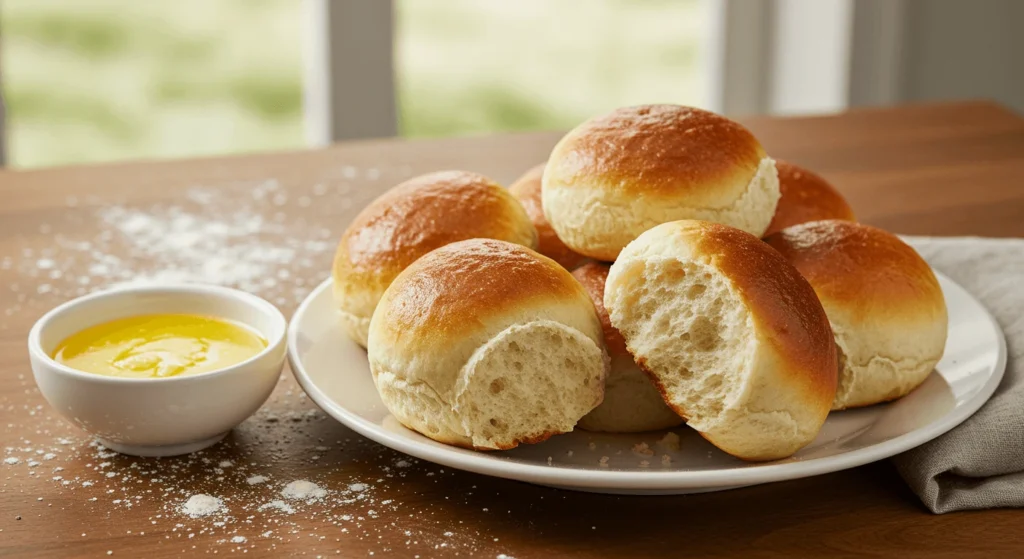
[{"x": 937, "y": 170}]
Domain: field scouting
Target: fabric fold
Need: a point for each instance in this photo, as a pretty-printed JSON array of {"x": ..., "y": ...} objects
[{"x": 980, "y": 463}]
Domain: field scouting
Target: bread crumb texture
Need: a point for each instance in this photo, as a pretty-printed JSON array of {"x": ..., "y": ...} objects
[{"x": 731, "y": 334}]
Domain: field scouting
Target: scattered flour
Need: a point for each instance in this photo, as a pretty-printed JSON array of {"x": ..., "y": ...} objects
[
  {"x": 301, "y": 489},
  {"x": 223, "y": 236},
  {"x": 256, "y": 480},
  {"x": 202, "y": 505},
  {"x": 12, "y": 460},
  {"x": 278, "y": 504},
  {"x": 238, "y": 539}
]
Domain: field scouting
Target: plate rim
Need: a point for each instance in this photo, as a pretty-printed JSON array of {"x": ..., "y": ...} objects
[{"x": 567, "y": 476}]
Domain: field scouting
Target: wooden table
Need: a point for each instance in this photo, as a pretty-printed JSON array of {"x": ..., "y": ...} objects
[{"x": 940, "y": 169}]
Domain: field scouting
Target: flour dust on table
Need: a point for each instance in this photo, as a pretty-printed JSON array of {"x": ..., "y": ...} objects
[
  {"x": 202, "y": 495},
  {"x": 256, "y": 236},
  {"x": 209, "y": 236}
]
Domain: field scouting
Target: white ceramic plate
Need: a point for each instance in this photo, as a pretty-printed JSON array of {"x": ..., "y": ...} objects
[{"x": 334, "y": 372}]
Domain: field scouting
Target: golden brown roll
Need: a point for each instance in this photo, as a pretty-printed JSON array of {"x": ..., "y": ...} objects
[
  {"x": 806, "y": 196},
  {"x": 631, "y": 402},
  {"x": 733, "y": 336},
  {"x": 527, "y": 190},
  {"x": 616, "y": 176},
  {"x": 410, "y": 220},
  {"x": 883, "y": 300},
  {"x": 487, "y": 344}
]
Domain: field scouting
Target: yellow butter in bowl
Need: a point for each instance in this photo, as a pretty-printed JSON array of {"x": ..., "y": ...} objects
[{"x": 159, "y": 346}]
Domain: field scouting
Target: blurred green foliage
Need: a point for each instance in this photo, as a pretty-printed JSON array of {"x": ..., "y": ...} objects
[
  {"x": 477, "y": 66},
  {"x": 97, "y": 80}
]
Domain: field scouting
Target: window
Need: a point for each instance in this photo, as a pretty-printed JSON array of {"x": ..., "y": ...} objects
[
  {"x": 99, "y": 80},
  {"x": 475, "y": 66}
]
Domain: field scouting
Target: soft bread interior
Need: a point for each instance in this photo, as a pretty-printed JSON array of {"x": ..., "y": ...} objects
[
  {"x": 690, "y": 331},
  {"x": 527, "y": 383}
]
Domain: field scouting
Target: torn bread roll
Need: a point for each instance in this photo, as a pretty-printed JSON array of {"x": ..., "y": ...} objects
[
  {"x": 486, "y": 344},
  {"x": 410, "y": 220},
  {"x": 631, "y": 402},
  {"x": 732, "y": 335},
  {"x": 527, "y": 190},
  {"x": 616, "y": 176},
  {"x": 887, "y": 310},
  {"x": 806, "y": 196}
]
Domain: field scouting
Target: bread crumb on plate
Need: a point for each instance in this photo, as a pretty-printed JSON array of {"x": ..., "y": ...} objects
[
  {"x": 670, "y": 441},
  {"x": 643, "y": 450}
]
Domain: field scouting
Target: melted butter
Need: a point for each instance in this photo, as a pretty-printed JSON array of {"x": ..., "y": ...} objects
[{"x": 158, "y": 346}]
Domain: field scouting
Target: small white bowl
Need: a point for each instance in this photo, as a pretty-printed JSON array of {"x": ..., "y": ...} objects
[{"x": 162, "y": 416}]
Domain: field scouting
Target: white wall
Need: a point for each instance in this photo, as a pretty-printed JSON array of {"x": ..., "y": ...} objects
[
  {"x": 964, "y": 48},
  {"x": 826, "y": 55},
  {"x": 810, "y": 35}
]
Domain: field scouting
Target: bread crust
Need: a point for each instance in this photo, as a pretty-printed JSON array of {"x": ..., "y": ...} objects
[
  {"x": 592, "y": 277},
  {"x": 842, "y": 259},
  {"x": 616, "y": 176},
  {"x": 527, "y": 190},
  {"x": 462, "y": 280},
  {"x": 884, "y": 302},
  {"x": 410, "y": 220},
  {"x": 661, "y": 151},
  {"x": 806, "y": 196},
  {"x": 780, "y": 300}
]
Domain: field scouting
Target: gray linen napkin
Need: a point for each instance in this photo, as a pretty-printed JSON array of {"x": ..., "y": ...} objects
[{"x": 980, "y": 463}]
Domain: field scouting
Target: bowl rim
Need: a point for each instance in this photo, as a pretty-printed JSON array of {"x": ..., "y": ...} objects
[{"x": 35, "y": 346}]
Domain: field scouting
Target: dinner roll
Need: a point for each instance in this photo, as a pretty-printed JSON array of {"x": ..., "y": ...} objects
[
  {"x": 527, "y": 190},
  {"x": 410, "y": 220},
  {"x": 487, "y": 344},
  {"x": 887, "y": 310},
  {"x": 631, "y": 403},
  {"x": 618, "y": 175},
  {"x": 733, "y": 336},
  {"x": 806, "y": 196}
]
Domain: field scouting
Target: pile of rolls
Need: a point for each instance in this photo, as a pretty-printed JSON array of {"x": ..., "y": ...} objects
[{"x": 659, "y": 269}]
